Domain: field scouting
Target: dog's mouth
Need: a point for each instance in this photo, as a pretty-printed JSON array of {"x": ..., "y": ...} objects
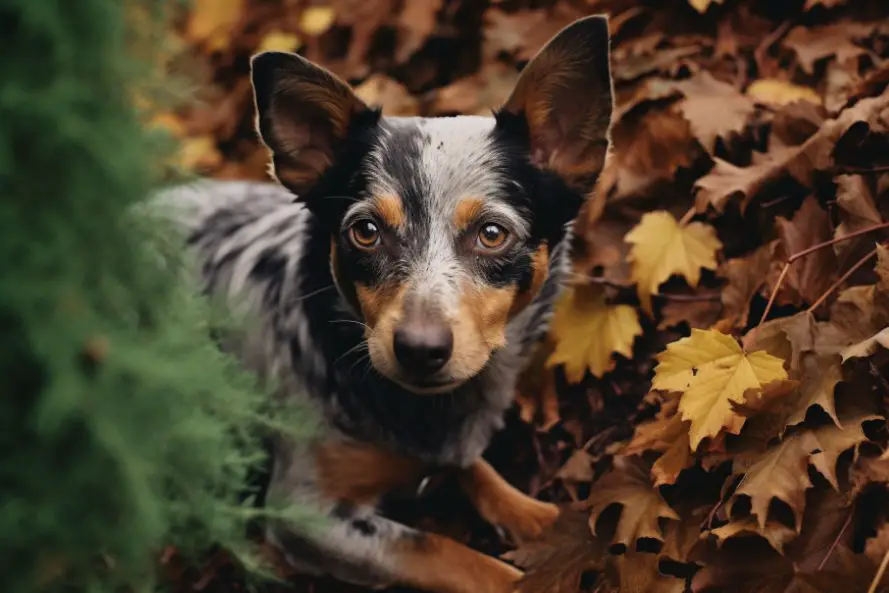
[{"x": 429, "y": 386}]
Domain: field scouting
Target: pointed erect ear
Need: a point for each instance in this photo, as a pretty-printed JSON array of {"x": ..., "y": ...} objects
[
  {"x": 303, "y": 114},
  {"x": 565, "y": 96}
]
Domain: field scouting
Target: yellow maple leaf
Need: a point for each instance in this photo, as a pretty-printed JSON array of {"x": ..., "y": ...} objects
[
  {"x": 661, "y": 247},
  {"x": 317, "y": 19},
  {"x": 279, "y": 41},
  {"x": 588, "y": 331},
  {"x": 711, "y": 371},
  {"x": 781, "y": 92}
]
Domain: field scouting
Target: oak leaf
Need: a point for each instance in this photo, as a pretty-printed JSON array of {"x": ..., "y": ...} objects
[
  {"x": 711, "y": 371},
  {"x": 661, "y": 248},
  {"x": 628, "y": 485},
  {"x": 588, "y": 331}
]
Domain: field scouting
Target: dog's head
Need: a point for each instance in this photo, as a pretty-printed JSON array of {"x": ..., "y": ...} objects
[{"x": 441, "y": 228}]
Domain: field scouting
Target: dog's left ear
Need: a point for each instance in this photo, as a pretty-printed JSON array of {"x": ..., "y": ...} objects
[{"x": 565, "y": 95}]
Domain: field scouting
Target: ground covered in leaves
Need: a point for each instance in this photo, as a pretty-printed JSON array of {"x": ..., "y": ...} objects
[{"x": 696, "y": 447}]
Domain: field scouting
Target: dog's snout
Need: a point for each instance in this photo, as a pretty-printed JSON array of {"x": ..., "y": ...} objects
[{"x": 423, "y": 347}]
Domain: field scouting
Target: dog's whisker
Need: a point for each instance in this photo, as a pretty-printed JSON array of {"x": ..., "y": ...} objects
[
  {"x": 355, "y": 348},
  {"x": 314, "y": 292}
]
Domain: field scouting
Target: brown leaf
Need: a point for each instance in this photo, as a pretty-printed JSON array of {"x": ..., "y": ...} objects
[
  {"x": 775, "y": 533},
  {"x": 698, "y": 314},
  {"x": 578, "y": 468},
  {"x": 833, "y": 441},
  {"x": 812, "y": 44},
  {"x": 391, "y": 95},
  {"x": 417, "y": 22},
  {"x": 713, "y": 108},
  {"x": 536, "y": 394},
  {"x": 779, "y": 473},
  {"x": 628, "y": 484},
  {"x": 811, "y": 275},
  {"x": 726, "y": 182},
  {"x": 556, "y": 563},
  {"x": 637, "y": 572},
  {"x": 819, "y": 377},
  {"x": 667, "y": 434},
  {"x": 745, "y": 276}
]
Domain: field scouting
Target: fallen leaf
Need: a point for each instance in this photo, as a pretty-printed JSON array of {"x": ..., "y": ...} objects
[
  {"x": 713, "y": 108},
  {"x": 812, "y": 44},
  {"x": 819, "y": 377},
  {"x": 775, "y": 533},
  {"x": 867, "y": 346},
  {"x": 211, "y": 22},
  {"x": 667, "y": 433},
  {"x": 279, "y": 41},
  {"x": 702, "y": 5},
  {"x": 832, "y": 441},
  {"x": 588, "y": 331},
  {"x": 745, "y": 276},
  {"x": 536, "y": 394},
  {"x": 780, "y": 92},
  {"x": 661, "y": 248},
  {"x": 628, "y": 485},
  {"x": 726, "y": 182},
  {"x": 810, "y": 276},
  {"x": 556, "y": 563},
  {"x": 637, "y": 572},
  {"x": 711, "y": 371},
  {"x": 316, "y": 20},
  {"x": 578, "y": 468},
  {"x": 391, "y": 95},
  {"x": 780, "y": 473}
]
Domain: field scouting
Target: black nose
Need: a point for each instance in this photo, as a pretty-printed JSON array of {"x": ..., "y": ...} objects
[{"x": 423, "y": 348}]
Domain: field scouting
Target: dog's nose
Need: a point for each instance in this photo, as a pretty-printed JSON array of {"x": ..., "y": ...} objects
[{"x": 423, "y": 348}]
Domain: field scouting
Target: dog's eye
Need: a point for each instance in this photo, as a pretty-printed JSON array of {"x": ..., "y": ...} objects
[
  {"x": 364, "y": 234},
  {"x": 492, "y": 236}
]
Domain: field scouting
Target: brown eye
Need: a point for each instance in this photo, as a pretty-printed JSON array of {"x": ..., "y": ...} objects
[
  {"x": 364, "y": 234},
  {"x": 492, "y": 236}
]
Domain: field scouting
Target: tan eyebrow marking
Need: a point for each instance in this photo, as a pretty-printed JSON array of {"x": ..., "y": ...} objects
[
  {"x": 466, "y": 212},
  {"x": 390, "y": 210}
]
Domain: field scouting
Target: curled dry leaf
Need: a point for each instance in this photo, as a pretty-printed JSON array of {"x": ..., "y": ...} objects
[
  {"x": 628, "y": 485},
  {"x": 711, "y": 371},
  {"x": 661, "y": 248},
  {"x": 588, "y": 331}
]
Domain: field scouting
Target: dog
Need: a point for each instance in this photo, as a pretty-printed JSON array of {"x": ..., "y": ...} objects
[{"x": 400, "y": 272}]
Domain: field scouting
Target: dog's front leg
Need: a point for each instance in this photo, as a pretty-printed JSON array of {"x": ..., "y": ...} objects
[
  {"x": 501, "y": 504},
  {"x": 356, "y": 544}
]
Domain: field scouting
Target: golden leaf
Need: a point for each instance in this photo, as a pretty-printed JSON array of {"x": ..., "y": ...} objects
[
  {"x": 711, "y": 371},
  {"x": 781, "y": 92},
  {"x": 662, "y": 247},
  {"x": 212, "y": 21},
  {"x": 317, "y": 19},
  {"x": 702, "y": 5},
  {"x": 279, "y": 41},
  {"x": 588, "y": 331}
]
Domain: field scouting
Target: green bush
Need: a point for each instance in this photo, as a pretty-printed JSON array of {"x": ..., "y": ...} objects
[{"x": 122, "y": 427}]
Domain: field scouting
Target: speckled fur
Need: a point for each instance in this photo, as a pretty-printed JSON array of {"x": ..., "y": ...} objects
[{"x": 270, "y": 253}]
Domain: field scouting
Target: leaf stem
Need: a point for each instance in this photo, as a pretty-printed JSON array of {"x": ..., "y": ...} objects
[
  {"x": 842, "y": 279},
  {"x": 794, "y": 257},
  {"x": 687, "y": 216},
  {"x": 879, "y": 576}
]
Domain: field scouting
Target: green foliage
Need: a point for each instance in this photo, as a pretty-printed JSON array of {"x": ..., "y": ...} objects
[{"x": 122, "y": 427}]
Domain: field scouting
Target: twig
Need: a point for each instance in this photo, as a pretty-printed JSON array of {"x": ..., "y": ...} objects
[
  {"x": 755, "y": 332},
  {"x": 880, "y": 571},
  {"x": 836, "y": 541},
  {"x": 861, "y": 170},
  {"x": 842, "y": 279},
  {"x": 601, "y": 280},
  {"x": 687, "y": 216}
]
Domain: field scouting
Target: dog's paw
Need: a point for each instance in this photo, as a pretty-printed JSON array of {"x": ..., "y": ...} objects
[{"x": 529, "y": 520}]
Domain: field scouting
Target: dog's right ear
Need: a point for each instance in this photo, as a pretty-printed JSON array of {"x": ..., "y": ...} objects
[{"x": 303, "y": 116}]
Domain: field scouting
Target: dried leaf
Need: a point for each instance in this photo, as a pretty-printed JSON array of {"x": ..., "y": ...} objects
[
  {"x": 711, "y": 371},
  {"x": 810, "y": 276},
  {"x": 775, "y": 533},
  {"x": 666, "y": 434},
  {"x": 816, "y": 43},
  {"x": 745, "y": 276},
  {"x": 713, "y": 108},
  {"x": 637, "y": 572},
  {"x": 780, "y": 92},
  {"x": 588, "y": 331},
  {"x": 628, "y": 485},
  {"x": 662, "y": 247}
]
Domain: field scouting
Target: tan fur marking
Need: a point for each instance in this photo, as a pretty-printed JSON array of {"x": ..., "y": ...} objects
[
  {"x": 360, "y": 474},
  {"x": 435, "y": 563},
  {"x": 377, "y": 302},
  {"x": 499, "y": 503},
  {"x": 390, "y": 210},
  {"x": 466, "y": 212},
  {"x": 540, "y": 263}
]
